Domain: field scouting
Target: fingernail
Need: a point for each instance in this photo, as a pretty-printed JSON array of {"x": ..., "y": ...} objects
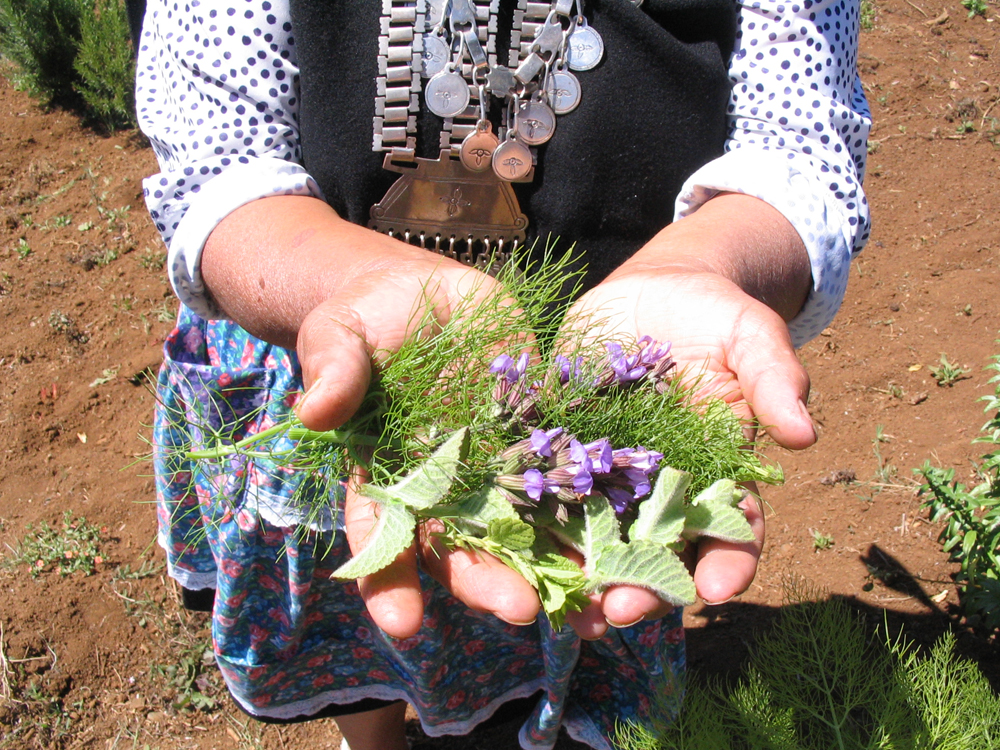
[
  {"x": 804, "y": 410},
  {"x": 721, "y": 601},
  {"x": 305, "y": 397},
  {"x": 514, "y": 622},
  {"x": 614, "y": 624}
]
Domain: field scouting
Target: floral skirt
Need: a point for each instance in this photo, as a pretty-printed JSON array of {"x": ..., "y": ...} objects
[{"x": 290, "y": 641}]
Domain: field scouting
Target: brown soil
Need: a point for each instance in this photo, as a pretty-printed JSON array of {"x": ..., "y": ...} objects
[{"x": 102, "y": 661}]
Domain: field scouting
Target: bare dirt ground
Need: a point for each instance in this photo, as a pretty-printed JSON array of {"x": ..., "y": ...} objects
[{"x": 110, "y": 660}]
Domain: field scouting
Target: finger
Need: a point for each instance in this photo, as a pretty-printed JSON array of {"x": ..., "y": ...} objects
[
  {"x": 772, "y": 379},
  {"x": 590, "y": 624},
  {"x": 392, "y": 595},
  {"x": 478, "y": 580},
  {"x": 626, "y": 605},
  {"x": 336, "y": 366},
  {"x": 726, "y": 569}
]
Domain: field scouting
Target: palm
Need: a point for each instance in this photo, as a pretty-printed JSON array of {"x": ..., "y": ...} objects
[{"x": 725, "y": 342}]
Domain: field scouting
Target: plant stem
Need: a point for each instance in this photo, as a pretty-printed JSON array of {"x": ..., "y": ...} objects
[{"x": 302, "y": 434}]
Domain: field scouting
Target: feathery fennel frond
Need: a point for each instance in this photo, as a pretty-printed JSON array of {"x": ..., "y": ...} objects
[{"x": 818, "y": 680}]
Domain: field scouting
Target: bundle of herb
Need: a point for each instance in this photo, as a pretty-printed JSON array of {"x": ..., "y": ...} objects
[{"x": 523, "y": 431}]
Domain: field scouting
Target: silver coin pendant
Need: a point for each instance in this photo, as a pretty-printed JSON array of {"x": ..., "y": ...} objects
[
  {"x": 511, "y": 160},
  {"x": 435, "y": 56},
  {"x": 585, "y": 48},
  {"x": 563, "y": 89},
  {"x": 536, "y": 122},
  {"x": 447, "y": 94}
]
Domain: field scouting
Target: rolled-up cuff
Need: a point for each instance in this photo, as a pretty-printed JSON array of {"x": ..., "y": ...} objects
[
  {"x": 807, "y": 204},
  {"x": 236, "y": 186}
]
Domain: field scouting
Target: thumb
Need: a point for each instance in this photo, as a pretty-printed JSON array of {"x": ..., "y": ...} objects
[
  {"x": 336, "y": 365},
  {"x": 773, "y": 381}
]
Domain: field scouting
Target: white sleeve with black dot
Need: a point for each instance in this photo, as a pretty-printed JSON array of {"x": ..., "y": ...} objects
[
  {"x": 216, "y": 93},
  {"x": 798, "y": 132}
]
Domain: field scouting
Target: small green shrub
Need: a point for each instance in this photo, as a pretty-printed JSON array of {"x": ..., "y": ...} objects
[
  {"x": 106, "y": 65},
  {"x": 948, "y": 373},
  {"x": 41, "y": 39},
  {"x": 72, "y": 53},
  {"x": 971, "y": 535}
]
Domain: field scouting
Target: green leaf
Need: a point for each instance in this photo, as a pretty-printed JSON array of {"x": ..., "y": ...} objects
[
  {"x": 597, "y": 529},
  {"x": 969, "y": 542},
  {"x": 430, "y": 482},
  {"x": 512, "y": 533},
  {"x": 646, "y": 564},
  {"x": 713, "y": 513},
  {"x": 661, "y": 515},
  {"x": 392, "y": 533},
  {"x": 478, "y": 509},
  {"x": 560, "y": 584}
]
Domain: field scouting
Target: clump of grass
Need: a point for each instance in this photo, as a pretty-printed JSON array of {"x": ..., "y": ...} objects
[
  {"x": 975, "y": 7},
  {"x": 821, "y": 541},
  {"x": 948, "y": 373},
  {"x": 73, "y": 547},
  {"x": 868, "y": 12},
  {"x": 817, "y": 680}
]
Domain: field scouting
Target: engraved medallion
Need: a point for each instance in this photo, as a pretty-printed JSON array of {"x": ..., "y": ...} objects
[
  {"x": 511, "y": 160},
  {"x": 585, "y": 48},
  {"x": 536, "y": 122},
  {"x": 478, "y": 147},
  {"x": 447, "y": 94},
  {"x": 435, "y": 56},
  {"x": 563, "y": 89}
]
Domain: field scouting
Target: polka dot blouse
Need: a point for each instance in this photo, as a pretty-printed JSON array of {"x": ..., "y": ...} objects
[{"x": 217, "y": 88}]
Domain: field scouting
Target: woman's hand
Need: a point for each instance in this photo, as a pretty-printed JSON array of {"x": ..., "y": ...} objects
[
  {"x": 290, "y": 271},
  {"x": 699, "y": 284}
]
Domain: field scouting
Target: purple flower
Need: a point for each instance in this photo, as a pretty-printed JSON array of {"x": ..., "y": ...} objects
[
  {"x": 569, "y": 370},
  {"x": 508, "y": 369},
  {"x": 534, "y": 484},
  {"x": 651, "y": 360},
  {"x": 619, "y": 498},
  {"x": 625, "y": 367},
  {"x": 541, "y": 440}
]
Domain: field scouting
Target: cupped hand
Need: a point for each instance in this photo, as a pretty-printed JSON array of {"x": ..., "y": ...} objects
[
  {"x": 727, "y": 345},
  {"x": 338, "y": 343}
]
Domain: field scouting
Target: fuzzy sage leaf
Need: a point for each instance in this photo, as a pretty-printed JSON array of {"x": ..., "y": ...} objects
[
  {"x": 661, "y": 516},
  {"x": 646, "y": 564},
  {"x": 713, "y": 513},
  {"x": 431, "y": 481},
  {"x": 392, "y": 533},
  {"x": 512, "y": 533}
]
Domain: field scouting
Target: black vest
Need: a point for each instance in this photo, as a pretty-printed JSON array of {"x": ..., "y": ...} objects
[{"x": 652, "y": 113}]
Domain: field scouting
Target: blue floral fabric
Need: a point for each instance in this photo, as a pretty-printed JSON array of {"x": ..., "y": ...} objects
[{"x": 289, "y": 640}]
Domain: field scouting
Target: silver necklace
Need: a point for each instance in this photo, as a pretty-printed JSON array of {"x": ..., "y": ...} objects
[{"x": 462, "y": 204}]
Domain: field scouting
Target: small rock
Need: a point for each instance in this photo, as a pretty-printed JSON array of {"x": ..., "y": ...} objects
[{"x": 918, "y": 398}]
